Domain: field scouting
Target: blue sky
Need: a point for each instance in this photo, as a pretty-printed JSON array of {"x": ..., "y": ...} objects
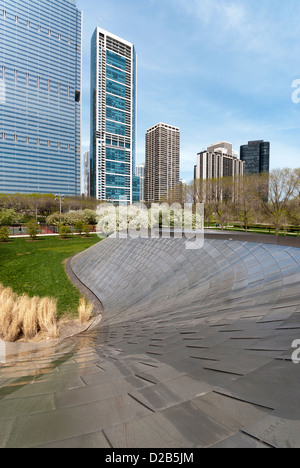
[{"x": 217, "y": 69}]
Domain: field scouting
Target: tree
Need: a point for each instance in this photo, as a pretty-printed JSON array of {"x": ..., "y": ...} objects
[
  {"x": 246, "y": 200},
  {"x": 4, "y": 234},
  {"x": 65, "y": 232},
  {"x": 33, "y": 229},
  {"x": 87, "y": 229},
  {"x": 8, "y": 217},
  {"x": 79, "y": 227},
  {"x": 282, "y": 187}
]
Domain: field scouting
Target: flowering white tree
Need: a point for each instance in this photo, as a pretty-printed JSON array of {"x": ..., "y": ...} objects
[{"x": 136, "y": 220}]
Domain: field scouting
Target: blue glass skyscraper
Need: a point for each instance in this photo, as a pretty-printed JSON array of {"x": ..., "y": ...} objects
[
  {"x": 113, "y": 117},
  {"x": 40, "y": 96}
]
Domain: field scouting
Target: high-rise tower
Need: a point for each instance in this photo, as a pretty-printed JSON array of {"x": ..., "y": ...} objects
[
  {"x": 113, "y": 117},
  {"x": 40, "y": 96},
  {"x": 162, "y": 165},
  {"x": 256, "y": 156}
]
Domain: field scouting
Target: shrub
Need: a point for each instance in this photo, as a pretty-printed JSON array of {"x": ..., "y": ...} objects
[
  {"x": 4, "y": 234},
  {"x": 87, "y": 229},
  {"x": 65, "y": 232},
  {"x": 79, "y": 227},
  {"x": 33, "y": 229}
]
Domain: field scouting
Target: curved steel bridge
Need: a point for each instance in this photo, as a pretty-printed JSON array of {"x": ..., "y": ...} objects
[{"x": 194, "y": 350}]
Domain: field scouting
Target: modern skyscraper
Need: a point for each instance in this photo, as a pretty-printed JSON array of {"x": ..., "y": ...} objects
[
  {"x": 113, "y": 117},
  {"x": 140, "y": 172},
  {"x": 40, "y": 96},
  {"x": 256, "y": 156},
  {"x": 162, "y": 165},
  {"x": 218, "y": 161}
]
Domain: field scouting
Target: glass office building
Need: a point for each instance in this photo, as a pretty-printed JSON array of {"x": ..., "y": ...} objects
[
  {"x": 40, "y": 96},
  {"x": 256, "y": 156},
  {"x": 113, "y": 117}
]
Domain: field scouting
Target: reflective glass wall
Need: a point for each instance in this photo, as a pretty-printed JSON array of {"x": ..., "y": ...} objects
[{"x": 40, "y": 96}]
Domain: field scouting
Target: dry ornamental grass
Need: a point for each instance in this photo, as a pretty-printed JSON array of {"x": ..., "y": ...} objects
[
  {"x": 25, "y": 317},
  {"x": 85, "y": 310}
]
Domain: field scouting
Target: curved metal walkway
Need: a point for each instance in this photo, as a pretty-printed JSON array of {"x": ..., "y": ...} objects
[{"x": 194, "y": 350}]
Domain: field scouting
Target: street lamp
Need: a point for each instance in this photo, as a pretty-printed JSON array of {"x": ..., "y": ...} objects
[{"x": 61, "y": 199}]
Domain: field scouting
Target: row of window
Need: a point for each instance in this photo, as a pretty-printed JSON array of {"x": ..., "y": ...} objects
[
  {"x": 116, "y": 102},
  {"x": 49, "y": 84},
  {"x": 39, "y": 28},
  {"x": 37, "y": 141},
  {"x": 117, "y": 168},
  {"x": 111, "y": 141},
  {"x": 115, "y": 60}
]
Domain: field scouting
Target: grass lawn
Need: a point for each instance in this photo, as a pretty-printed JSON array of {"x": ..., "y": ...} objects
[{"x": 37, "y": 268}]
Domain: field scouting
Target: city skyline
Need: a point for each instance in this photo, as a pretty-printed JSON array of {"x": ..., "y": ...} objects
[{"x": 235, "y": 85}]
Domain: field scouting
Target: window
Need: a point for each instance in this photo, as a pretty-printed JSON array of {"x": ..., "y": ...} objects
[
  {"x": 115, "y": 88},
  {"x": 116, "y": 75},
  {"x": 116, "y": 60},
  {"x": 4, "y": 13},
  {"x": 16, "y": 19},
  {"x": 77, "y": 96},
  {"x": 114, "y": 101},
  {"x": 59, "y": 36},
  {"x": 115, "y": 128},
  {"x": 3, "y": 136},
  {"x": 115, "y": 114},
  {"x": 15, "y": 138}
]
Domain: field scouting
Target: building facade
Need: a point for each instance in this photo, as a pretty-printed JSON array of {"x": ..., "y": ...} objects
[
  {"x": 87, "y": 174},
  {"x": 162, "y": 165},
  {"x": 217, "y": 162},
  {"x": 140, "y": 172},
  {"x": 40, "y": 96},
  {"x": 256, "y": 156},
  {"x": 113, "y": 117},
  {"x": 136, "y": 189}
]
